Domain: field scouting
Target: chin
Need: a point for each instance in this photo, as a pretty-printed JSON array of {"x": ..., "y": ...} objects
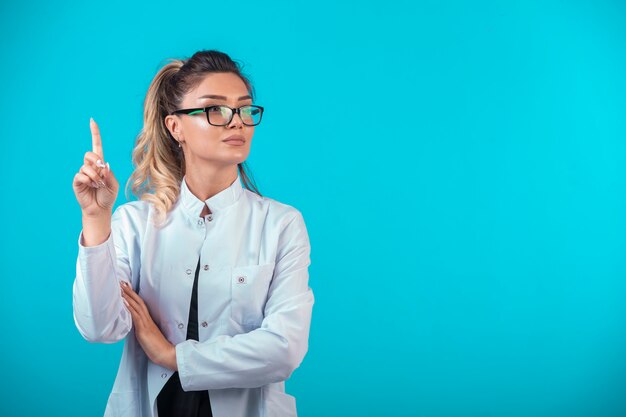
[{"x": 234, "y": 160}]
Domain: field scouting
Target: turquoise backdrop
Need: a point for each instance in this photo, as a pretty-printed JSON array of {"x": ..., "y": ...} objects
[{"x": 460, "y": 165}]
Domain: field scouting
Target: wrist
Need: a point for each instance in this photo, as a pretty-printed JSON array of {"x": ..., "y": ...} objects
[
  {"x": 98, "y": 215},
  {"x": 96, "y": 229},
  {"x": 169, "y": 359}
]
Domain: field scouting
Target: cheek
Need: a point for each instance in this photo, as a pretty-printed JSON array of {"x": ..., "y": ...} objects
[
  {"x": 205, "y": 133},
  {"x": 248, "y": 132}
]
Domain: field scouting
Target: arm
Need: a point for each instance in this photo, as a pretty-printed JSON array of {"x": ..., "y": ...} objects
[
  {"x": 274, "y": 350},
  {"x": 98, "y": 309}
]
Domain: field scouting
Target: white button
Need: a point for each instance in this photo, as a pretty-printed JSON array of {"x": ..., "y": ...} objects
[
  {"x": 163, "y": 375},
  {"x": 206, "y": 267},
  {"x": 200, "y": 222},
  {"x": 204, "y": 324},
  {"x": 180, "y": 325},
  {"x": 188, "y": 271},
  {"x": 241, "y": 280}
]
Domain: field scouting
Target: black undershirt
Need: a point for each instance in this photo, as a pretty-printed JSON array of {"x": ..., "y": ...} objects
[{"x": 172, "y": 401}]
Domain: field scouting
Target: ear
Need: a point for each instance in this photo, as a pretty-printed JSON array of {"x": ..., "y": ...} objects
[{"x": 173, "y": 125}]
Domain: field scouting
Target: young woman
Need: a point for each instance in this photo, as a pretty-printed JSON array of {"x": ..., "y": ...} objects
[{"x": 207, "y": 281}]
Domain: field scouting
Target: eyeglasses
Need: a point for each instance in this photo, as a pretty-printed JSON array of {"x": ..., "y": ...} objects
[{"x": 223, "y": 115}]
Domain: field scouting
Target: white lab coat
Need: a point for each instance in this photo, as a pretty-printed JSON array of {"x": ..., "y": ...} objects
[{"x": 254, "y": 302}]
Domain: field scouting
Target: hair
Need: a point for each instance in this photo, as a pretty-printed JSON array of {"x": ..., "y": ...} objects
[{"x": 159, "y": 163}]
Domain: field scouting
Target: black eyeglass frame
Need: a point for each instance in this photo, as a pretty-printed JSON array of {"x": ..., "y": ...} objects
[{"x": 232, "y": 113}]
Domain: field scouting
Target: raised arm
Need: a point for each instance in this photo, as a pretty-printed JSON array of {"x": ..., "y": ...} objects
[{"x": 98, "y": 311}]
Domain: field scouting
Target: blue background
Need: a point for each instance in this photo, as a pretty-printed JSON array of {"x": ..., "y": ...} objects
[{"x": 460, "y": 167}]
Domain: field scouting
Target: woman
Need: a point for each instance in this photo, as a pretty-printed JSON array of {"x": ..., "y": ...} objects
[{"x": 205, "y": 280}]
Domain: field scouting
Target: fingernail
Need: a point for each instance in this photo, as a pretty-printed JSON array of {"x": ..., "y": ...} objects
[
  {"x": 100, "y": 163},
  {"x": 108, "y": 167},
  {"x": 125, "y": 302},
  {"x": 93, "y": 184},
  {"x": 101, "y": 183}
]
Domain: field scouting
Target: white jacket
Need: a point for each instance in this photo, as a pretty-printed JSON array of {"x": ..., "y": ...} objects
[{"x": 254, "y": 302}]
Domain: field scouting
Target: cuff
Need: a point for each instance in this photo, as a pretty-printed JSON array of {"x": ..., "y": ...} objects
[
  {"x": 181, "y": 364},
  {"x": 101, "y": 257},
  {"x": 96, "y": 248}
]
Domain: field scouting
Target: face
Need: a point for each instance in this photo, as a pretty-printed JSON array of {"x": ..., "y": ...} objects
[{"x": 203, "y": 143}]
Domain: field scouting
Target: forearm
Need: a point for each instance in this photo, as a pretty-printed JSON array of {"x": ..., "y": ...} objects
[
  {"x": 265, "y": 355},
  {"x": 98, "y": 310}
]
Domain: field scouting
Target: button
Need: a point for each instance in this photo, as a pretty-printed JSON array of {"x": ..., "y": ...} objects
[
  {"x": 209, "y": 217},
  {"x": 241, "y": 280},
  {"x": 188, "y": 272},
  {"x": 200, "y": 222},
  {"x": 163, "y": 375},
  {"x": 204, "y": 324},
  {"x": 206, "y": 267},
  {"x": 180, "y": 325}
]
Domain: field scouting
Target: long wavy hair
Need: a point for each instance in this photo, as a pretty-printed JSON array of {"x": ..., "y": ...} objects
[{"x": 159, "y": 164}]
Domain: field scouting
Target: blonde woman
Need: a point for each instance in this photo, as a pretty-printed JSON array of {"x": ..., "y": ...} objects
[{"x": 205, "y": 280}]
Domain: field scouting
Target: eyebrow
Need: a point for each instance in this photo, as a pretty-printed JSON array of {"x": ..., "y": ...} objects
[{"x": 224, "y": 97}]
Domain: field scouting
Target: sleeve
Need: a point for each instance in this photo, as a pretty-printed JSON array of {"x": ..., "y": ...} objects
[
  {"x": 271, "y": 352},
  {"x": 99, "y": 312}
]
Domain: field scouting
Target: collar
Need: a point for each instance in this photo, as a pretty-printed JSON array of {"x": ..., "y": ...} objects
[{"x": 217, "y": 203}]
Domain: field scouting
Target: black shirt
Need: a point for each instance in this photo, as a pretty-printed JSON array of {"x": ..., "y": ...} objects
[{"x": 172, "y": 401}]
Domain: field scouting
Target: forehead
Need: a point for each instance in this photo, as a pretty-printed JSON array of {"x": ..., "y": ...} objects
[{"x": 223, "y": 84}]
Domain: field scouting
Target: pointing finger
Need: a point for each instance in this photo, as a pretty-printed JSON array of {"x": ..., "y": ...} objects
[{"x": 96, "y": 140}]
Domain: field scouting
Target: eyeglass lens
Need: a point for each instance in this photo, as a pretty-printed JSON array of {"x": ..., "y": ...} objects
[{"x": 221, "y": 115}]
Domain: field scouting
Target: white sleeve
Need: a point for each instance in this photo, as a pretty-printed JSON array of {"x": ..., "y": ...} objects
[
  {"x": 271, "y": 352},
  {"x": 99, "y": 312}
]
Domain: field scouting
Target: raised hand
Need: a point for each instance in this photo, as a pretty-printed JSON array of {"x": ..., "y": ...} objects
[{"x": 95, "y": 185}]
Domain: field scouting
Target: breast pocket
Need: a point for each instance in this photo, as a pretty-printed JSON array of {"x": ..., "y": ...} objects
[{"x": 249, "y": 288}]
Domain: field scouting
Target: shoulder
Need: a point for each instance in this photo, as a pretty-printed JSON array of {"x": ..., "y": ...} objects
[
  {"x": 276, "y": 211},
  {"x": 132, "y": 210},
  {"x": 132, "y": 216},
  {"x": 283, "y": 220}
]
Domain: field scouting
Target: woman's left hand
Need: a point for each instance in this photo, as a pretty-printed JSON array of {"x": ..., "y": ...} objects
[{"x": 149, "y": 336}]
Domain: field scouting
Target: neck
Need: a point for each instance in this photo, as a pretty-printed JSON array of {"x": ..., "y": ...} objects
[{"x": 206, "y": 181}]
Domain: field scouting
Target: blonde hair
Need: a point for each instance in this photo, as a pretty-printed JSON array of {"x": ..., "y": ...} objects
[{"x": 159, "y": 164}]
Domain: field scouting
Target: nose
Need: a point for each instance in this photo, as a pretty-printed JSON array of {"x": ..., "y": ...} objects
[{"x": 236, "y": 121}]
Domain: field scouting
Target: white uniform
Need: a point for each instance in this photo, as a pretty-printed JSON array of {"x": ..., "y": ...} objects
[{"x": 254, "y": 302}]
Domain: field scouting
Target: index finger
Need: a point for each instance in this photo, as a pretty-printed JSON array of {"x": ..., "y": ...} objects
[{"x": 96, "y": 140}]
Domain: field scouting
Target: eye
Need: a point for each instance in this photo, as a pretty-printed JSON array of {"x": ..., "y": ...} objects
[{"x": 250, "y": 110}]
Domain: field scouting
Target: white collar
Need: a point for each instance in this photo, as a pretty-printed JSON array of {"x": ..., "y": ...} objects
[{"x": 217, "y": 203}]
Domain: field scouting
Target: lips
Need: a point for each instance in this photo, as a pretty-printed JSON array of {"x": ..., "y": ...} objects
[{"x": 235, "y": 139}]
